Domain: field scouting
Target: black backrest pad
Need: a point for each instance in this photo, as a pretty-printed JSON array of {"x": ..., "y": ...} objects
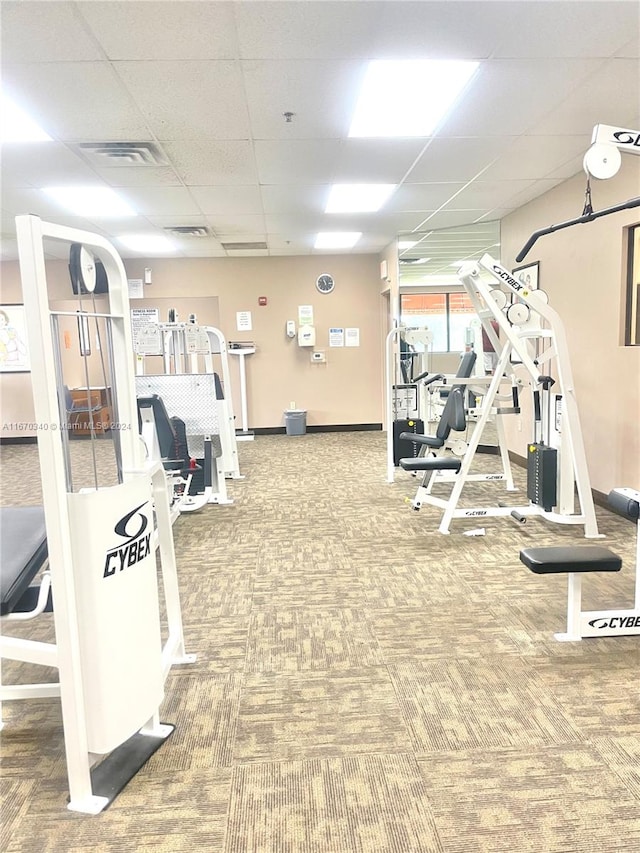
[
  {"x": 453, "y": 414},
  {"x": 23, "y": 551},
  {"x": 180, "y": 448},
  {"x": 164, "y": 427},
  {"x": 465, "y": 367}
]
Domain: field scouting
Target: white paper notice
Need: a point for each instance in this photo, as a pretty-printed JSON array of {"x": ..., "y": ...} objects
[
  {"x": 336, "y": 337},
  {"x": 305, "y": 315},
  {"x": 141, "y": 319},
  {"x": 243, "y": 321},
  {"x": 136, "y": 288},
  {"x": 352, "y": 337}
]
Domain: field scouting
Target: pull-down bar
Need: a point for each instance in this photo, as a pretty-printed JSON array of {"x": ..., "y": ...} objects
[{"x": 587, "y": 217}]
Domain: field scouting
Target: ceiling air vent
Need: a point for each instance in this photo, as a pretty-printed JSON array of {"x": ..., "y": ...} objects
[
  {"x": 122, "y": 153},
  {"x": 229, "y": 247},
  {"x": 188, "y": 230},
  {"x": 412, "y": 260}
]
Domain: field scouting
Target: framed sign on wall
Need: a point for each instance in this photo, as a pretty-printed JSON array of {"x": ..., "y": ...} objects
[
  {"x": 14, "y": 353},
  {"x": 528, "y": 275}
]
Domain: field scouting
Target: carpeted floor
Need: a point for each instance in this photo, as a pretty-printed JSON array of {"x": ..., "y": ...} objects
[{"x": 362, "y": 684}]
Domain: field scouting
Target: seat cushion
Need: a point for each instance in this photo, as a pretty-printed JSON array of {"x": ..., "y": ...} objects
[
  {"x": 23, "y": 551},
  {"x": 568, "y": 558}
]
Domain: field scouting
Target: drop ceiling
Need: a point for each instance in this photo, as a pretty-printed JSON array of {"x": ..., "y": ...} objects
[{"x": 205, "y": 85}]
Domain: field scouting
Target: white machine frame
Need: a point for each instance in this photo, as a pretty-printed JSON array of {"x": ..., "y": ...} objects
[
  {"x": 517, "y": 341},
  {"x": 95, "y": 653},
  {"x": 184, "y": 347}
]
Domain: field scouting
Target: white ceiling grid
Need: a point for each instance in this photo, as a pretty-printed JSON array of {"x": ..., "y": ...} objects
[{"x": 208, "y": 83}]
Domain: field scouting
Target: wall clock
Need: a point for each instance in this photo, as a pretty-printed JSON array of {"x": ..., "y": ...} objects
[{"x": 325, "y": 283}]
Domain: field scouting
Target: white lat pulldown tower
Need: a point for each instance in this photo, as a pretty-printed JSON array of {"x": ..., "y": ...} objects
[
  {"x": 102, "y": 544},
  {"x": 571, "y": 469}
]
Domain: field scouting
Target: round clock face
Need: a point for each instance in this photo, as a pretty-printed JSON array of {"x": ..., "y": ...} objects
[{"x": 325, "y": 283}]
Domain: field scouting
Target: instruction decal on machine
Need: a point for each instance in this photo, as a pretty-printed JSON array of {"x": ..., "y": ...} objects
[{"x": 135, "y": 549}]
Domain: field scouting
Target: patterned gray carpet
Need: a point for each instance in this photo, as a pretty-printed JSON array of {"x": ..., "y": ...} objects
[{"x": 363, "y": 683}]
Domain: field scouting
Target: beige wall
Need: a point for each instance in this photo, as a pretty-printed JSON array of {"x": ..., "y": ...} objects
[
  {"x": 344, "y": 390},
  {"x": 582, "y": 268}
]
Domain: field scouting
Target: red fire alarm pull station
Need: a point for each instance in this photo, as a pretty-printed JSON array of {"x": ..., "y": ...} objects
[{"x": 262, "y": 300}]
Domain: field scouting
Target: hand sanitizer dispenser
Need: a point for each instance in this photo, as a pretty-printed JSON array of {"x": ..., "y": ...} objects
[{"x": 306, "y": 336}]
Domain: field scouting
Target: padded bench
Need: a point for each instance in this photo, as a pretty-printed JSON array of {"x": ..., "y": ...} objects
[
  {"x": 563, "y": 559},
  {"x": 23, "y": 552},
  {"x": 574, "y": 561}
]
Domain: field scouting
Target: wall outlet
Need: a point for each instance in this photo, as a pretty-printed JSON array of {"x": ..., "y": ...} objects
[{"x": 319, "y": 357}]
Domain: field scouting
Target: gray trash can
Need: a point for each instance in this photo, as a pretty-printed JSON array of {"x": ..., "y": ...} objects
[{"x": 295, "y": 421}]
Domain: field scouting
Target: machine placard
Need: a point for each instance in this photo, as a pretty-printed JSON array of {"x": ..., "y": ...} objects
[{"x": 118, "y": 612}]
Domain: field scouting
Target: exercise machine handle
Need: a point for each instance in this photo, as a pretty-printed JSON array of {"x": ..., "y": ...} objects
[
  {"x": 587, "y": 217},
  {"x": 435, "y": 378}
]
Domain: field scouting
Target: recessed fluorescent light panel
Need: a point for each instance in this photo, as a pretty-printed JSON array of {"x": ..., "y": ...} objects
[
  {"x": 17, "y": 126},
  {"x": 358, "y": 198},
  {"x": 408, "y": 98},
  {"x": 406, "y": 244},
  {"x": 337, "y": 239},
  {"x": 93, "y": 202},
  {"x": 149, "y": 243}
]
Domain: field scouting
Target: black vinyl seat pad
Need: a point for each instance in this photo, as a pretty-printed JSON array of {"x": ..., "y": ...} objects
[
  {"x": 565, "y": 558},
  {"x": 23, "y": 551}
]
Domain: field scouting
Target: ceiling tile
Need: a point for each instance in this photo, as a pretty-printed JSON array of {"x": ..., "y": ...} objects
[
  {"x": 28, "y": 28},
  {"x": 494, "y": 104},
  {"x": 44, "y": 164},
  {"x": 448, "y": 219},
  {"x": 427, "y": 196},
  {"x": 439, "y": 30},
  {"x": 308, "y": 161},
  {"x": 189, "y": 100},
  {"x": 481, "y": 195},
  {"x": 213, "y": 163},
  {"x": 76, "y": 101},
  {"x": 534, "y": 157},
  {"x": 381, "y": 161},
  {"x": 456, "y": 158},
  {"x": 226, "y": 199},
  {"x": 291, "y": 30},
  {"x": 160, "y": 201},
  {"x": 301, "y": 87},
  {"x": 139, "y": 176},
  {"x": 295, "y": 198},
  {"x": 162, "y": 30},
  {"x": 570, "y": 30},
  {"x": 227, "y": 227},
  {"x": 610, "y": 96},
  {"x": 631, "y": 50}
]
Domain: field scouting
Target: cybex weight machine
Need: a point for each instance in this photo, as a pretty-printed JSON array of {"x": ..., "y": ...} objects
[{"x": 101, "y": 541}]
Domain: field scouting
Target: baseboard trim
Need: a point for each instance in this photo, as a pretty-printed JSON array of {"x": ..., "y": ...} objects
[
  {"x": 517, "y": 459},
  {"x": 19, "y": 439},
  {"x": 280, "y": 430}
]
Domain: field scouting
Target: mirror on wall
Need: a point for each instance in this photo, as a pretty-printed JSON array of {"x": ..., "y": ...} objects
[
  {"x": 433, "y": 303},
  {"x": 431, "y": 258}
]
